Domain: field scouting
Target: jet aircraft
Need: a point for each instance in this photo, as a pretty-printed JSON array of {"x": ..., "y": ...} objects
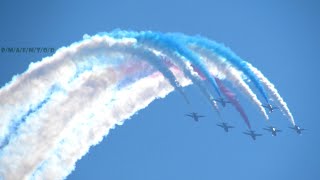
[
  {"x": 297, "y": 129},
  {"x": 225, "y": 126},
  {"x": 273, "y": 130},
  {"x": 195, "y": 116},
  {"x": 270, "y": 107},
  {"x": 222, "y": 101},
  {"x": 252, "y": 134}
]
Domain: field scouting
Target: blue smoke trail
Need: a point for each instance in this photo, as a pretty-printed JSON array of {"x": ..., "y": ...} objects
[{"x": 15, "y": 124}]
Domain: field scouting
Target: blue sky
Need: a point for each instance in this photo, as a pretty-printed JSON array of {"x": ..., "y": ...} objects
[{"x": 280, "y": 38}]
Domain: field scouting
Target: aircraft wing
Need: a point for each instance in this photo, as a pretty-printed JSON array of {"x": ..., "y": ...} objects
[
  {"x": 217, "y": 100},
  {"x": 189, "y": 115},
  {"x": 201, "y": 116},
  {"x": 258, "y": 134},
  {"x": 219, "y": 125},
  {"x": 230, "y": 126},
  {"x": 267, "y": 129},
  {"x": 275, "y": 107},
  {"x": 247, "y": 133},
  {"x": 264, "y": 106}
]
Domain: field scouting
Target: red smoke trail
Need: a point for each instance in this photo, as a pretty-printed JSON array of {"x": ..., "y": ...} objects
[
  {"x": 232, "y": 98},
  {"x": 198, "y": 72}
]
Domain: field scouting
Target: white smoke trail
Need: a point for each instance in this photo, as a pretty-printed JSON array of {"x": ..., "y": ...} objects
[
  {"x": 129, "y": 100},
  {"x": 273, "y": 92}
]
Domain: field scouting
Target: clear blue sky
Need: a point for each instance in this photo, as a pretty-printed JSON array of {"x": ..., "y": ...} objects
[{"x": 281, "y": 38}]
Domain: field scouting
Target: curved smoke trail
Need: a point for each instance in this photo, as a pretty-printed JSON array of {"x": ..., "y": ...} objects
[
  {"x": 226, "y": 53},
  {"x": 172, "y": 44},
  {"x": 66, "y": 103},
  {"x": 223, "y": 69}
]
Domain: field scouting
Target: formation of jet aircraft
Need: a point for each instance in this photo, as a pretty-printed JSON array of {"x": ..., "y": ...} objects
[{"x": 250, "y": 132}]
